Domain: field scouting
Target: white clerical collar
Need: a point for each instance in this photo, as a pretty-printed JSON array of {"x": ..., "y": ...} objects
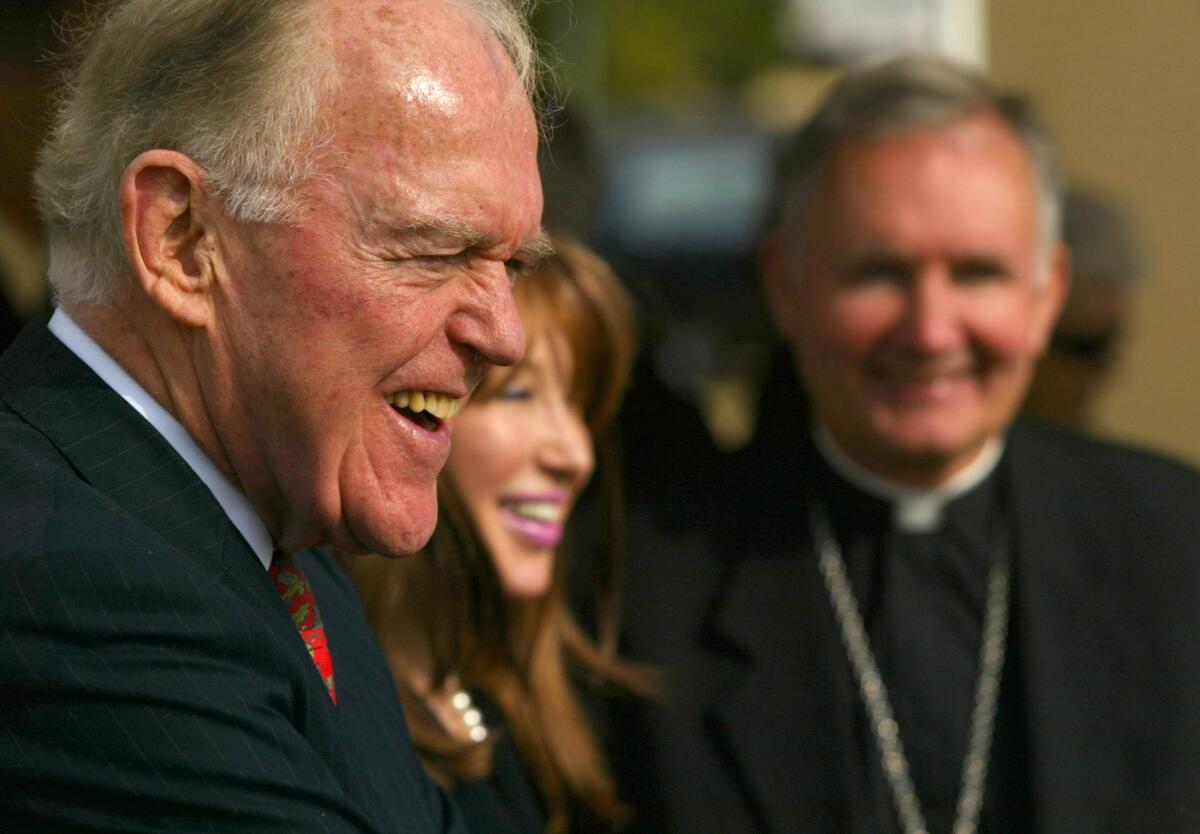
[
  {"x": 913, "y": 510},
  {"x": 236, "y": 505}
]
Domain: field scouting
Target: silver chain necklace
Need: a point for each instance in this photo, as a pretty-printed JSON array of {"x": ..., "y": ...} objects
[{"x": 874, "y": 692}]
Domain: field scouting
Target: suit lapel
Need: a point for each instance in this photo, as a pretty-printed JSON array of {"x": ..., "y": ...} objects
[
  {"x": 778, "y": 717},
  {"x": 1066, "y": 609},
  {"x": 118, "y": 452}
]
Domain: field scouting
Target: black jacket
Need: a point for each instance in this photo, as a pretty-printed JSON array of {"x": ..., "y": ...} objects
[
  {"x": 1107, "y": 582},
  {"x": 151, "y": 678}
]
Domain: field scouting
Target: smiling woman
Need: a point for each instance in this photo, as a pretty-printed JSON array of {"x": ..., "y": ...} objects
[{"x": 476, "y": 628}]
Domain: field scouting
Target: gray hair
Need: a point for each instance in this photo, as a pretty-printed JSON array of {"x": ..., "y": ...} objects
[
  {"x": 909, "y": 94},
  {"x": 237, "y": 85}
]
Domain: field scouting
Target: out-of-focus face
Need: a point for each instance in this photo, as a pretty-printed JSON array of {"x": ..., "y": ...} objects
[
  {"x": 520, "y": 458},
  {"x": 917, "y": 300},
  {"x": 345, "y": 337},
  {"x": 1083, "y": 356}
]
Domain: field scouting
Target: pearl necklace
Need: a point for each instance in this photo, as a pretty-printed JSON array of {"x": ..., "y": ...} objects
[{"x": 470, "y": 714}]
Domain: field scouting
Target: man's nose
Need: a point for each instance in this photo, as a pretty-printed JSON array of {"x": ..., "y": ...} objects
[
  {"x": 488, "y": 321},
  {"x": 931, "y": 321}
]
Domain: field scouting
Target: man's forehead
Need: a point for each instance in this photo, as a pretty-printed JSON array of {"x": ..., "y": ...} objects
[
  {"x": 425, "y": 51},
  {"x": 981, "y": 139},
  {"x": 418, "y": 76},
  {"x": 363, "y": 25},
  {"x": 967, "y": 167}
]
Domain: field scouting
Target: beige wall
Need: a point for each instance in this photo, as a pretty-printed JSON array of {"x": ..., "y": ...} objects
[{"x": 1121, "y": 83}]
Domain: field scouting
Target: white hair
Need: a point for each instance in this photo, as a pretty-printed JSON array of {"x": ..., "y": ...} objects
[{"x": 237, "y": 85}]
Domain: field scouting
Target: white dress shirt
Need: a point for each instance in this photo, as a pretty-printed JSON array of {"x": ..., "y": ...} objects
[{"x": 235, "y": 504}]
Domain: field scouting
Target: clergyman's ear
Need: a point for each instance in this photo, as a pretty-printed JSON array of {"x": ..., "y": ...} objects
[
  {"x": 1056, "y": 283},
  {"x": 163, "y": 221},
  {"x": 776, "y": 283}
]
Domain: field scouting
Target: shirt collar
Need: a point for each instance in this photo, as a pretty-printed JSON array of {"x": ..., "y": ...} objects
[
  {"x": 235, "y": 504},
  {"x": 913, "y": 510}
]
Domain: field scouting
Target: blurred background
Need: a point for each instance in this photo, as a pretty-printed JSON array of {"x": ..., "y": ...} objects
[
  {"x": 680, "y": 101},
  {"x": 668, "y": 112}
]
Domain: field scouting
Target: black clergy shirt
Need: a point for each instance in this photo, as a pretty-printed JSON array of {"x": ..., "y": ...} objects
[{"x": 922, "y": 596}]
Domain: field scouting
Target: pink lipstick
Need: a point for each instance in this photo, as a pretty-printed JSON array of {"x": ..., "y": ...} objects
[{"x": 536, "y": 517}]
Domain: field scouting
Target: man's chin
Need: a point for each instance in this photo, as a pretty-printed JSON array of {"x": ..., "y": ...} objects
[
  {"x": 929, "y": 456},
  {"x": 389, "y": 534}
]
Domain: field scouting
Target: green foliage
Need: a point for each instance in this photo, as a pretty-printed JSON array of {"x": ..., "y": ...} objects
[
  {"x": 651, "y": 48},
  {"x": 664, "y": 45}
]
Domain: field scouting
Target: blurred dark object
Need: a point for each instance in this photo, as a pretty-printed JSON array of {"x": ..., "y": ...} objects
[
  {"x": 680, "y": 213},
  {"x": 30, "y": 34},
  {"x": 1107, "y": 262},
  {"x": 685, "y": 207},
  {"x": 569, "y": 167},
  {"x": 9, "y": 323}
]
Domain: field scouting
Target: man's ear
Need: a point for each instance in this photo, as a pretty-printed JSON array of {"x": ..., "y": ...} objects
[
  {"x": 168, "y": 236},
  {"x": 1057, "y": 283}
]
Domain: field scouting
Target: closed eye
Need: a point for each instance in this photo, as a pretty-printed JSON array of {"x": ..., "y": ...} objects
[
  {"x": 980, "y": 270},
  {"x": 440, "y": 261},
  {"x": 880, "y": 268},
  {"x": 516, "y": 392},
  {"x": 433, "y": 267},
  {"x": 520, "y": 267},
  {"x": 516, "y": 268}
]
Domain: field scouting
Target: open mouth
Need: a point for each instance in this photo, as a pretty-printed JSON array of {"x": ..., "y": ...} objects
[
  {"x": 427, "y": 409},
  {"x": 537, "y": 517},
  {"x": 546, "y": 512},
  {"x": 541, "y": 526},
  {"x": 923, "y": 374}
]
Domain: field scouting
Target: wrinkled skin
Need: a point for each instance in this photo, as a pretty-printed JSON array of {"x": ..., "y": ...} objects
[{"x": 395, "y": 276}]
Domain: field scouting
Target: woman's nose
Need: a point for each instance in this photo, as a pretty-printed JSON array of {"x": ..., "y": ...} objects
[{"x": 566, "y": 446}]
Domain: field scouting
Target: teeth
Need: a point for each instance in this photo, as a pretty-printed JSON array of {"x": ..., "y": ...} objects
[
  {"x": 537, "y": 510},
  {"x": 437, "y": 405}
]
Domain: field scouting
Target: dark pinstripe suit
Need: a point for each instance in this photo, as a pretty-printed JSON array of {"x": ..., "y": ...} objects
[{"x": 150, "y": 676}]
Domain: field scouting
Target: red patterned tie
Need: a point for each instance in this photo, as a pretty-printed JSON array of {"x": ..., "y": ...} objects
[{"x": 293, "y": 586}]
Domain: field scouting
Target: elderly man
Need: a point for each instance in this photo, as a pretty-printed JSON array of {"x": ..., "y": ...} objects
[
  {"x": 267, "y": 220},
  {"x": 918, "y": 616}
]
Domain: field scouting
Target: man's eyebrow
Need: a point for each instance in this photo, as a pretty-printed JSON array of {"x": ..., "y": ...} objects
[
  {"x": 982, "y": 263},
  {"x": 537, "y": 247},
  {"x": 443, "y": 228},
  {"x": 461, "y": 233}
]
